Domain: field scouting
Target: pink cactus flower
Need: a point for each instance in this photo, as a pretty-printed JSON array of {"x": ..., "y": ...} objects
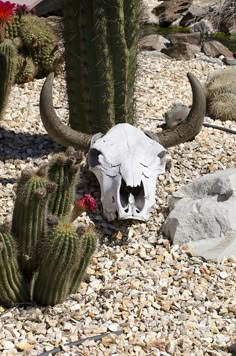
[{"x": 6, "y": 11}]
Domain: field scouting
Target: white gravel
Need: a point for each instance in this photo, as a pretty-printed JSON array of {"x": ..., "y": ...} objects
[{"x": 164, "y": 301}]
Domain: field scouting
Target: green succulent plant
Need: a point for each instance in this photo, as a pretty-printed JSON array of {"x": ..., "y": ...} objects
[
  {"x": 101, "y": 39},
  {"x": 8, "y": 66},
  {"x": 44, "y": 255},
  {"x": 221, "y": 94},
  {"x": 36, "y": 45}
]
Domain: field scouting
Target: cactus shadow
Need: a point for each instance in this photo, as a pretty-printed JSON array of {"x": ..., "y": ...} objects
[{"x": 20, "y": 145}]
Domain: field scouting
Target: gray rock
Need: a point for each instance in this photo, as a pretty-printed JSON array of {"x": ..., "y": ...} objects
[
  {"x": 229, "y": 61},
  {"x": 203, "y": 209},
  {"x": 170, "y": 11},
  {"x": 194, "y": 38},
  {"x": 203, "y": 26},
  {"x": 182, "y": 51},
  {"x": 205, "y": 58},
  {"x": 153, "y": 43},
  {"x": 199, "y": 10},
  {"x": 215, "y": 49},
  {"x": 147, "y": 16},
  {"x": 215, "y": 249}
]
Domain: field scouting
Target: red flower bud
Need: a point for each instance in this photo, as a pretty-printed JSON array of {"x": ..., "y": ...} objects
[{"x": 86, "y": 202}]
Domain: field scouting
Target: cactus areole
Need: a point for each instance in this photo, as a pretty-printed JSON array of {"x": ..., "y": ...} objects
[{"x": 125, "y": 160}]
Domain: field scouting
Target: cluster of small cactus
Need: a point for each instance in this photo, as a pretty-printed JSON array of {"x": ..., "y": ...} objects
[
  {"x": 36, "y": 46},
  {"x": 28, "y": 49},
  {"x": 221, "y": 94},
  {"x": 44, "y": 252},
  {"x": 100, "y": 54}
]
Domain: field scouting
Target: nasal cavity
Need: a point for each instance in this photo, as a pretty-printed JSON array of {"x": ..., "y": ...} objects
[{"x": 135, "y": 193}]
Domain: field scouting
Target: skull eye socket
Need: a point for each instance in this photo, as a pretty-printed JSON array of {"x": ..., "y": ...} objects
[{"x": 93, "y": 157}]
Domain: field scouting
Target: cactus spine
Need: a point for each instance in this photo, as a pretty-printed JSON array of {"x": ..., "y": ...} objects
[
  {"x": 13, "y": 289},
  {"x": 8, "y": 65},
  {"x": 100, "y": 53}
]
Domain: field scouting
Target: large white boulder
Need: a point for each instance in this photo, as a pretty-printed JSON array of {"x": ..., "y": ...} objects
[{"x": 203, "y": 214}]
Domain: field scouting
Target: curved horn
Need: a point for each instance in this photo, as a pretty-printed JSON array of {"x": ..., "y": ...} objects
[
  {"x": 192, "y": 125},
  {"x": 59, "y": 132}
]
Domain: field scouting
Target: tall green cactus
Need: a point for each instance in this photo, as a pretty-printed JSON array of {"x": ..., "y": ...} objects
[
  {"x": 13, "y": 288},
  {"x": 63, "y": 252},
  {"x": 8, "y": 66},
  {"x": 101, "y": 40}
]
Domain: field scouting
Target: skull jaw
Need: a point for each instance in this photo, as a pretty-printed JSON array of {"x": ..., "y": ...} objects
[
  {"x": 132, "y": 215},
  {"x": 118, "y": 212},
  {"x": 128, "y": 206}
]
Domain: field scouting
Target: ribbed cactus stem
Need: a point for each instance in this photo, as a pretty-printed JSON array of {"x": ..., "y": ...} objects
[
  {"x": 88, "y": 246},
  {"x": 8, "y": 65},
  {"x": 29, "y": 218},
  {"x": 2, "y": 33},
  {"x": 60, "y": 254},
  {"x": 13, "y": 288},
  {"x": 64, "y": 172},
  {"x": 101, "y": 49}
]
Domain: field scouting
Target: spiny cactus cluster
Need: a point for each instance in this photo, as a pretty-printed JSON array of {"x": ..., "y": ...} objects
[
  {"x": 36, "y": 46},
  {"x": 44, "y": 254},
  {"x": 28, "y": 50},
  {"x": 221, "y": 94}
]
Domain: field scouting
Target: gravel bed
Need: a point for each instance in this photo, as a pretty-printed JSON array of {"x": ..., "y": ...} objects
[{"x": 163, "y": 301}]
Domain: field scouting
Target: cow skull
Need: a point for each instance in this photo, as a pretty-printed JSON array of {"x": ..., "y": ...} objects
[{"x": 126, "y": 161}]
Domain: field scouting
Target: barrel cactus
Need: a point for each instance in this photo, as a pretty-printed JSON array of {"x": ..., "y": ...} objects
[
  {"x": 101, "y": 40},
  {"x": 29, "y": 218},
  {"x": 221, "y": 94},
  {"x": 8, "y": 65},
  {"x": 13, "y": 287},
  {"x": 44, "y": 255},
  {"x": 65, "y": 256}
]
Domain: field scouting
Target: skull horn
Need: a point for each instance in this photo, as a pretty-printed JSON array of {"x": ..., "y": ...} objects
[
  {"x": 192, "y": 125},
  {"x": 59, "y": 132}
]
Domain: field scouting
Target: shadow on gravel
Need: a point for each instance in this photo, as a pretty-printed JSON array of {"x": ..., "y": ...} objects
[
  {"x": 5, "y": 181},
  {"x": 19, "y": 145}
]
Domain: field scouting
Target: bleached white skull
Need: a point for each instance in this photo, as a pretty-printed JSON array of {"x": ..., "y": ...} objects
[
  {"x": 125, "y": 160},
  {"x": 126, "y": 163}
]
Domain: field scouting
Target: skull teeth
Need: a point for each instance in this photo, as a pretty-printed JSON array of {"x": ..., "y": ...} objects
[{"x": 132, "y": 198}]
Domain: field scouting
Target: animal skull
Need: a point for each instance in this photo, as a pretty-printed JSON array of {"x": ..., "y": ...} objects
[
  {"x": 126, "y": 160},
  {"x": 126, "y": 163}
]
